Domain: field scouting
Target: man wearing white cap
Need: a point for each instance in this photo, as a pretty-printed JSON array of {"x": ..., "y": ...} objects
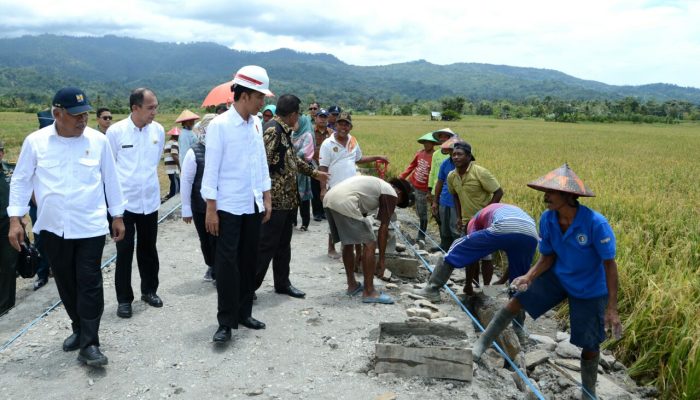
[{"x": 236, "y": 186}]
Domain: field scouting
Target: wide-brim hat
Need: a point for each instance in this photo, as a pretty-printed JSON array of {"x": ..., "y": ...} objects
[
  {"x": 562, "y": 179},
  {"x": 444, "y": 130},
  {"x": 407, "y": 189},
  {"x": 201, "y": 127},
  {"x": 428, "y": 137},
  {"x": 450, "y": 143},
  {"x": 175, "y": 131},
  {"x": 187, "y": 115}
]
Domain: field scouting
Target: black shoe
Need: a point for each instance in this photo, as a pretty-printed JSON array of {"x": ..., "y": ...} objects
[
  {"x": 292, "y": 291},
  {"x": 223, "y": 334},
  {"x": 72, "y": 342},
  {"x": 252, "y": 323},
  {"x": 40, "y": 283},
  {"x": 92, "y": 356},
  {"x": 255, "y": 296},
  {"x": 124, "y": 310},
  {"x": 317, "y": 218},
  {"x": 152, "y": 299}
]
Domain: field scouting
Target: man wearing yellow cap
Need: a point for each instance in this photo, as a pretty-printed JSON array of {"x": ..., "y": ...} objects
[
  {"x": 577, "y": 263},
  {"x": 187, "y": 137}
]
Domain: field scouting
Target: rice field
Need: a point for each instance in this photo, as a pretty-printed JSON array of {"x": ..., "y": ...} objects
[{"x": 645, "y": 178}]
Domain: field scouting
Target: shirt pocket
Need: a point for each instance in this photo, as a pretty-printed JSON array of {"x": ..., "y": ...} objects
[
  {"x": 88, "y": 170},
  {"x": 50, "y": 169}
]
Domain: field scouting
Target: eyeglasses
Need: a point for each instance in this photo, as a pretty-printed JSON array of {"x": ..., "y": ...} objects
[
  {"x": 107, "y": 118},
  {"x": 313, "y": 108}
]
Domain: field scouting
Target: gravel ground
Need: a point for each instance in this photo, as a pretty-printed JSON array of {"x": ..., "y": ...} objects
[{"x": 321, "y": 347}]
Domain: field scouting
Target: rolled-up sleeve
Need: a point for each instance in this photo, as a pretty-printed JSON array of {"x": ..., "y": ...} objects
[
  {"x": 113, "y": 189},
  {"x": 212, "y": 162},
  {"x": 21, "y": 183}
]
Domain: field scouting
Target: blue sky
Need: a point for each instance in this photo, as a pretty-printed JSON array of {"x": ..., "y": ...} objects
[{"x": 615, "y": 41}]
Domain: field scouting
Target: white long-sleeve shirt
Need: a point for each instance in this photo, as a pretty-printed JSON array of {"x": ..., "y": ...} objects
[
  {"x": 187, "y": 174},
  {"x": 70, "y": 178},
  {"x": 137, "y": 154},
  {"x": 235, "y": 167}
]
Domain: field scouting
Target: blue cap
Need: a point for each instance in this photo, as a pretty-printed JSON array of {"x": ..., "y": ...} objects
[
  {"x": 72, "y": 100},
  {"x": 323, "y": 112},
  {"x": 335, "y": 110}
]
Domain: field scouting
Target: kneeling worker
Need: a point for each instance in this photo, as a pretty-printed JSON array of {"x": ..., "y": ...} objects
[{"x": 347, "y": 205}]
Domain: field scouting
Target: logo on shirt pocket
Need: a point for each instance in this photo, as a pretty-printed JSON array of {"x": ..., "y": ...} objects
[{"x": 582, "y": 239}]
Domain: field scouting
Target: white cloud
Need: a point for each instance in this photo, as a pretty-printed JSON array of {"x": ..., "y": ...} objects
[{"x": 616, "y": 42}]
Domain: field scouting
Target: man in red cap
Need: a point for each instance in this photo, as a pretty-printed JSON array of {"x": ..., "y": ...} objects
[{"x": 577, "y": 263}]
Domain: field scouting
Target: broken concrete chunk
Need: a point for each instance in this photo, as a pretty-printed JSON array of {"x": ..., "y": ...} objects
[
  {"x": 562, "y": 336},
  {"x": 568, "y": 350},
  {"x": 535, "y": 358},
  {"x": 417, "y": 319},
  {"x": 542, "y": 339},
  {"x": 422, "y": 303},
  {"x": 445, "y": 320},
  {"x": 418, "y": 312}
]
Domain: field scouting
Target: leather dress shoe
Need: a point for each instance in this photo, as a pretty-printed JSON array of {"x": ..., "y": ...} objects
[
  {"x": 40, "y": 283},
  {"x": 72, "y": 342},
  {"x": 92, "y": 356},
  {"x": 152, "y": 299},
  {"x": 223, "y": 334},
  {"x": 124, "y": 310},
  {"x": 292, "y": 291},
  {"x": 252, "y": 323}
]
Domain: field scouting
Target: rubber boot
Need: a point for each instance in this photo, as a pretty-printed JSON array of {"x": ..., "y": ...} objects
[
  {"x": 441, "y": 273},
  {"x": 589, "y": 376},
  {"x": 499, "y": 322},
  {"x": 519, "y": 328}
]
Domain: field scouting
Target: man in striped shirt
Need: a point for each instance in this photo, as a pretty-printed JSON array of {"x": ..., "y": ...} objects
[
  {"x": 495, "y": 227},
  {"x": 171, "y": 159}
]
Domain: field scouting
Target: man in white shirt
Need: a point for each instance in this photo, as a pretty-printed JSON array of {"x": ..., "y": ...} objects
[
  {"x": 69, "y": 168},
  {"x": 236, "y": 185},
  {"x": 338, "y": 156},
  {"x": 137, "y": 144}
]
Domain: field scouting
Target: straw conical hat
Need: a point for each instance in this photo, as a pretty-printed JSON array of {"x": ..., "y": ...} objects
[
  {"x": 186, "y": 115},
  {"x": 444, "y": 130},
  {"x": 428, "y": 137},
  {"x": 563, "y": 179},
  {"x": 449, "y": 143}
]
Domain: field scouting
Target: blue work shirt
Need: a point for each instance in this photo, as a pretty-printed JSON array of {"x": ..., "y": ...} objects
[
  {"x": 579, "y": 251},
  {"x": 445, "y": 196}
]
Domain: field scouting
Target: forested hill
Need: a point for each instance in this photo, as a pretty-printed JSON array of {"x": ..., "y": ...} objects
[{"x": 34, "y": 67}]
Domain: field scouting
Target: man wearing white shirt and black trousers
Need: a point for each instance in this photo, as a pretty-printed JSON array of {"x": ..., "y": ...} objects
[
  {"x": 137, "y": 143},
  {"x": 236, "y": 185},
  {"x": 69, "y": 168}
]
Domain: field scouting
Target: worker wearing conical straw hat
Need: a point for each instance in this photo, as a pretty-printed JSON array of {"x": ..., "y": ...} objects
[
  {"x": 187, "y": 137},
  {"x": 577, "y": 263}
]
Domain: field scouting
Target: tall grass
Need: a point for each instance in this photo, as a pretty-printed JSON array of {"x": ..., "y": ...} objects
[{"x": 645, "y": 179}]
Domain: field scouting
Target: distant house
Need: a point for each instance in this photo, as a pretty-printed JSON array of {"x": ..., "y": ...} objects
[{"x": 435, "y": 116}]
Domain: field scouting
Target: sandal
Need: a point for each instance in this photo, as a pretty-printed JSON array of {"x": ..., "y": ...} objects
[
  {"x": 357, "y": 290},
  {"x": 383, "y": 298},
  {"x": 304, "y": 228}
]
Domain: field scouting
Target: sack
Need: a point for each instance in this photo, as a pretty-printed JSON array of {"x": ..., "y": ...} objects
[{"x": 28, "y": 259}]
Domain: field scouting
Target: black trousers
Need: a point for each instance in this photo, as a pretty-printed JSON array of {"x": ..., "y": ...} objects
[
  {"x": 275, "y": 246},
  {"x": 8, "y": 274},
  {"x": 76, "y": 269},
  {"x": 304, "y": 211},
  {"x": 235, "y": 262},
  {"x": 206, "y": 241},
  {"x": 146, "y": 225},
  {"x": 316, "y": 203}
]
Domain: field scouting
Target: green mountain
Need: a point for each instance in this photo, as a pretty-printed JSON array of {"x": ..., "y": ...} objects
[{"x": 32, "y": 68}]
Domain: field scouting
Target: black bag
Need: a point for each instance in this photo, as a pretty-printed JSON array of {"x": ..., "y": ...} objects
[{"x": 28, "y": 259}]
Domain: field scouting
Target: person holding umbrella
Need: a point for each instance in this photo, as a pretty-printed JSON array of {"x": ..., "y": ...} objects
[{"x": 577, "y": 263}]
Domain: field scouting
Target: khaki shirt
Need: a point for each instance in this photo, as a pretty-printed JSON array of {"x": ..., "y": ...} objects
[
  {"x": 475, "y": 189},
  {"x": 358, "y": 196}
]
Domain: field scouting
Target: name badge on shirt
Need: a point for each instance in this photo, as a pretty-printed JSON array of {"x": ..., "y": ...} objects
[{"x": 127, "y": 146}]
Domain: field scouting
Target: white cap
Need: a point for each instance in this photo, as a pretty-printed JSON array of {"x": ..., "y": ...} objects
[{"x": 253, "y": 77}]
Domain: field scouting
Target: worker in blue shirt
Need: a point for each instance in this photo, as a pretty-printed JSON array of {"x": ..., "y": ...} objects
[{"x": 577, "y": 263}]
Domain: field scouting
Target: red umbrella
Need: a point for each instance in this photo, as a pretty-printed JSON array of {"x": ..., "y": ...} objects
[{"x": 220, "y": 94}]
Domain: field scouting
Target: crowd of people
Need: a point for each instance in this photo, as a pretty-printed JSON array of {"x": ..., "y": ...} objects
[{"x": 246, "y": 172}]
